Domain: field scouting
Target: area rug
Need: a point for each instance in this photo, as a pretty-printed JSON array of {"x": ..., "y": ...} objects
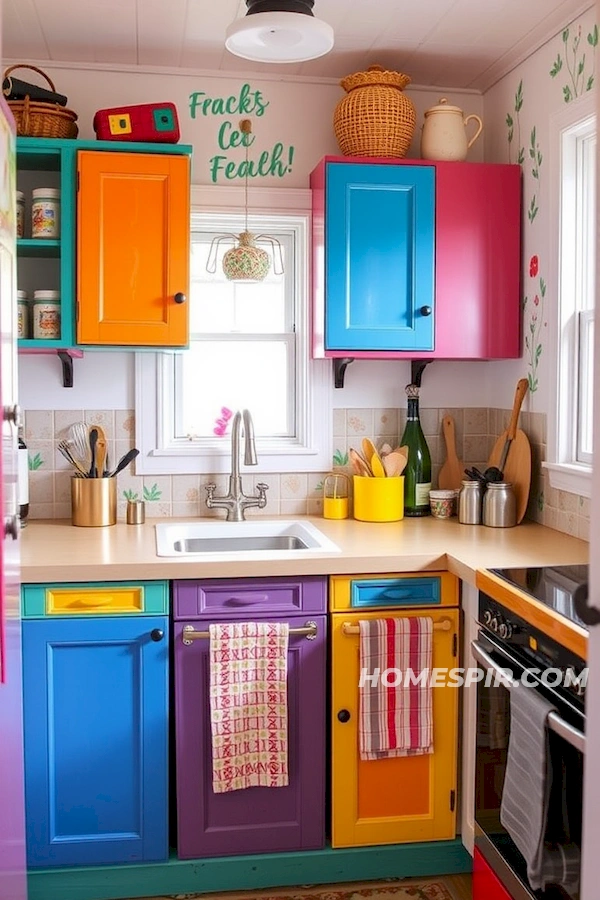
[{"x": 397, "y": 891}]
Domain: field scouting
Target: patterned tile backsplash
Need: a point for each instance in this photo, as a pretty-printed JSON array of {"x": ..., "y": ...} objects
[{"x": 297, "y": 494}]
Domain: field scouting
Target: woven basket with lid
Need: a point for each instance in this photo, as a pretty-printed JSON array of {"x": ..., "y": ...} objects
[{"x": 375, "y": 118}]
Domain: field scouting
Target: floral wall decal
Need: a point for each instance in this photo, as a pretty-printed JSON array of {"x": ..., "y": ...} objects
[
  {"x": 35, "y": 462},
  {"x": 340, "y": 458},
  {"x": 533, "y": 341},
  {"x": 578, "y": 82},
  {"x": 153, "y": 493},
  {"x": 536, "y": 162},
  {"x": 130, "y": 495},
  {"x": 516, "y": 122}
]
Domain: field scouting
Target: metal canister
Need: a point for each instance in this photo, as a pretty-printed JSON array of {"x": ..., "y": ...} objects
[
  {"x": 500, "y": 505},
  {"x": 469, "y": 503}
]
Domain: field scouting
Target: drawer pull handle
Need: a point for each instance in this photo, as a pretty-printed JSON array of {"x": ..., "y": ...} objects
[
  {"x": 344, "y": 716},
  {"x": 309, "y": 631},
  {"x": 442, "y": 625},
  {"x": 157, "y": 634},
  {"x": 245, "y": 599}
]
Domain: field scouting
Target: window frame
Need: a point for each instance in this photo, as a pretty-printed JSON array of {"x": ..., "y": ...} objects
[
  {"x": 565, "y": 471},
  {"x": 154, "y": 371}
]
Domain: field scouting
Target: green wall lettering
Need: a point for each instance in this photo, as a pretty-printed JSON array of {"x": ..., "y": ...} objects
[{"x": 275, "y": 162}]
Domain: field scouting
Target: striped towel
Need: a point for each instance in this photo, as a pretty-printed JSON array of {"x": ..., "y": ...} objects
[
  {"x": 526, "y": 794},
  {"x": 395, "y": 713},
  {"x": 248, "y": 705}
]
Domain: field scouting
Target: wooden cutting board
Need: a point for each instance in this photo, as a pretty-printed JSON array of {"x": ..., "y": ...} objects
[
  {"x": 517, "y": 469},
  {"x": 452, "y": 472}
]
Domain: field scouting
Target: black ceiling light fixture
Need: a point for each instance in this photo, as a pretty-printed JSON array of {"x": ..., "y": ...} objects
[{"x": 279, "y": 31}]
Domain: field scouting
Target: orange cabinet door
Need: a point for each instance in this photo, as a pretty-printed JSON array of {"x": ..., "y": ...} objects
[
  {"x": 401, "y": 799},
  {"x": 133, "y": 247}
]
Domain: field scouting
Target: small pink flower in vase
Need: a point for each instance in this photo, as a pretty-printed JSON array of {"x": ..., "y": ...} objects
[{"x": 222, "y": 422}]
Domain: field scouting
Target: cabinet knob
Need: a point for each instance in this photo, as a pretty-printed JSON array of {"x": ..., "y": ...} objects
[
  {"x": 425, "y": 310},
  {"x": 344, "y": 715},
  {"x": 157, "y": 634},
  {"x": 179, "y": 297}
]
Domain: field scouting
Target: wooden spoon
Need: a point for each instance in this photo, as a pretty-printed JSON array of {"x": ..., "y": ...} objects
[
  {"x": 359, "y": 465},
  {"x": 394, "y": 463},
  {"x": 373, "y": 458},
  {"x": 101, "y": 451},
  {"x": 377, "y": 466}
]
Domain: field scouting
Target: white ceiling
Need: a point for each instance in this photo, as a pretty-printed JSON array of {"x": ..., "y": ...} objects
[{"x": 454, "y": 43}]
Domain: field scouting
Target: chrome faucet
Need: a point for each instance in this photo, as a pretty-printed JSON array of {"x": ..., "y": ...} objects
[{"x": 235, "y": 501}]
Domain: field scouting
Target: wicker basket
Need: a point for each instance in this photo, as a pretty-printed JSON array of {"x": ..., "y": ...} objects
[
  {"x": 43, "y": 120},
  {"x": 375, "y": 118}
]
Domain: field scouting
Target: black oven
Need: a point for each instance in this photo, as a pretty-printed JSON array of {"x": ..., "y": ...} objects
[{"x": 508, "y": 642}]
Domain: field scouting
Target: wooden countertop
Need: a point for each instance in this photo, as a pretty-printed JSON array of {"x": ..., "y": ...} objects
[{"x": 56, "y": 551}]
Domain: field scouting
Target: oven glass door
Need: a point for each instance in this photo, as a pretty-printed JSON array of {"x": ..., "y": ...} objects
[{"x": 493, "y": 734}]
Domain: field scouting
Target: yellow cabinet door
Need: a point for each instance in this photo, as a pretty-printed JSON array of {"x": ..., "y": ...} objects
[
  {"x": 133, "y": 249},
  {"x": 395, "y": 800}
]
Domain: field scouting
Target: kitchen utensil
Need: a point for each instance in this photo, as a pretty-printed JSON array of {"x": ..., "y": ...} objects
[
  {"x": 369, "y": 452},
  {"x": 473, "y": 474},
  {"x": 80, "y": 439},
  {"x": 124, "y": 461},
  {"x": 394, "y": 463},
  {"x": 65, "y": 450},
  {"x": 101, "y": 451},
  {"x": 511, "y": 454},
  {"x": 93, "y": 501},
  {"x": 377, "y": 466},
  {"x": 359, "y": 465},
  {"x": 451, "y": 473},
  {"x": 93, "y": 438}
]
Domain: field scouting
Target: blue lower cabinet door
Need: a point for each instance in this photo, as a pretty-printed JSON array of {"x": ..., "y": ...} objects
[{"x": 96, "y": 738}]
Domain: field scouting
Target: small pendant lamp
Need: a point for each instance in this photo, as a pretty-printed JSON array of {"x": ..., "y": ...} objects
[{"x": 246, "y": 261}]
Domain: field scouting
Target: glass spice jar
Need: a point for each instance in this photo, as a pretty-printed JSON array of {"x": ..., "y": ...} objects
[
  {"x": 45, "y": 213},
  {"x": 46, "y": 314}
]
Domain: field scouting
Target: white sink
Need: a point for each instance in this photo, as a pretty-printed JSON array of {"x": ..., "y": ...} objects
[{"x": 261, "y": 539}]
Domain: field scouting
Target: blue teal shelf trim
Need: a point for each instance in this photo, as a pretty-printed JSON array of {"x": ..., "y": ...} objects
[
  {"x": 245, "y": 873},
  {"x": 48, "y": 145}
]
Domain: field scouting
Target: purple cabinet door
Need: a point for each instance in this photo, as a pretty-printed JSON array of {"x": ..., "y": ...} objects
[{"x": 255, "y": 820}]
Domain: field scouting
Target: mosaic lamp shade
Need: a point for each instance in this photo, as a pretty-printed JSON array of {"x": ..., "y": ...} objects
[{"x": 246, "y": 261}]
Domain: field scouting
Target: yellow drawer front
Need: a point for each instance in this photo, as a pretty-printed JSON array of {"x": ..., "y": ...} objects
[
  {"x": 393, "y": 591},
  {"x": 61, "y": 601},
  {"x": 401, "y": 799}
]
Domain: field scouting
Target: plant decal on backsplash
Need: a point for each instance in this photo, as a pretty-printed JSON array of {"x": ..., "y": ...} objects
[
  {"x": 533, "y": 341},
  {"x": 152, "y": 493},
  {"x": 340, "y": 458},
  {"x": 510, "y": 122},
  {"x": 35, "y": 462},
  {"x": 130, "y": 495},
  {"x": 576, "y": 65}
]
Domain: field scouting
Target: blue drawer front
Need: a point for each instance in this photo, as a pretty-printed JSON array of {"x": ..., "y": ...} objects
[
  {"x": 96, "y": 737},
  {"x": 395, "y": 592},
  {"x": 380, "y": 250}
]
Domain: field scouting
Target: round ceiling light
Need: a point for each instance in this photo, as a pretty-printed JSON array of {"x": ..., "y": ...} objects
[{"x": 279, "y": 31}]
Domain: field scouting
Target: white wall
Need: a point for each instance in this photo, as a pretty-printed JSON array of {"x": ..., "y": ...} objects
[{"x": 299, "y": 115}]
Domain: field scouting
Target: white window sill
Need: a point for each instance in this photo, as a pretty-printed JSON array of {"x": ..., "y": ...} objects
[{"x": 576, "y": 479}]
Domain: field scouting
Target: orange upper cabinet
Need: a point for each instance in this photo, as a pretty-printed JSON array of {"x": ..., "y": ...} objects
[{"x": 133, "y": 248}]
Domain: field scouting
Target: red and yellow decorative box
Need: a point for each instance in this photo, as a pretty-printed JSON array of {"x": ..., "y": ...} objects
[{"x": 150, "y": 122}]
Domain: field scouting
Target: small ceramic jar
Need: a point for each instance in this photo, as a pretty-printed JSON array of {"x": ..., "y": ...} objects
[
  {"x": 442, "y": 504},
  {"x": 46, "y": 314},
  {"x": 45, "y": 213}
]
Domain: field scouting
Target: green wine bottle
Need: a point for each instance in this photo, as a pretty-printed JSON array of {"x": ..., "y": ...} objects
[{"x": 417, "y": 474}]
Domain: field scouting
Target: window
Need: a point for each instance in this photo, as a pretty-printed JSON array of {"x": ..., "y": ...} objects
[
  {"x": 570, "y": 423},
  {"x": 249, "y": 348}
]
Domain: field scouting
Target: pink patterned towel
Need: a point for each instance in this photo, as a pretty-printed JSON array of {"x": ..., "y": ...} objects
[
  {"x": 396, "y": 709},
  {"x": 248, "y": 705}
]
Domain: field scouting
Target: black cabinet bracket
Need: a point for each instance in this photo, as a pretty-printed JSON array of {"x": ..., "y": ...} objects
[
  {"x": 417, "y": 367},
  {"x": 339, "y": 370},
  {"x": 67, "y": 368}
]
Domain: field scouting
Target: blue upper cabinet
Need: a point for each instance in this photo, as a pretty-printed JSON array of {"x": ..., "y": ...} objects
[
  {"x": 96, "y": 732},
  {"x": 379, "y": 257}
]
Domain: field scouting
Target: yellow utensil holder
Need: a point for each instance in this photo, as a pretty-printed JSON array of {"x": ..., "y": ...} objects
[
  {"x": 378, "y": 499},
  {"x": 336, "y": 488},
  {"x": 93, "y": 501}
]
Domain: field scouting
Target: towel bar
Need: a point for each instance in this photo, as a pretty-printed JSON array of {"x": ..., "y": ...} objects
[
  {"x": 309, "y": 630},
  {"x": 442, "y": 625}
]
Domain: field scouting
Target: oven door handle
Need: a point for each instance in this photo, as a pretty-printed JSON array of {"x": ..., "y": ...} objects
[{"x": 555, "y": 723}]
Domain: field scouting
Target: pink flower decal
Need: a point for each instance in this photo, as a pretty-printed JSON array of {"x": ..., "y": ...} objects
[
  {"x": 536, "y": 300},
  {"x": 533, "y": 266},
  {"x": 222, "y": 422}
]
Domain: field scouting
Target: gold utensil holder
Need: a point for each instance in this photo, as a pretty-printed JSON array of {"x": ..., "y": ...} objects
[{"x": 93, "y": 501}]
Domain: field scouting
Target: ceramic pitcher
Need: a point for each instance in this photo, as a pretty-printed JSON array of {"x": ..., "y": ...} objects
[{"x": 444, "y": 134}]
